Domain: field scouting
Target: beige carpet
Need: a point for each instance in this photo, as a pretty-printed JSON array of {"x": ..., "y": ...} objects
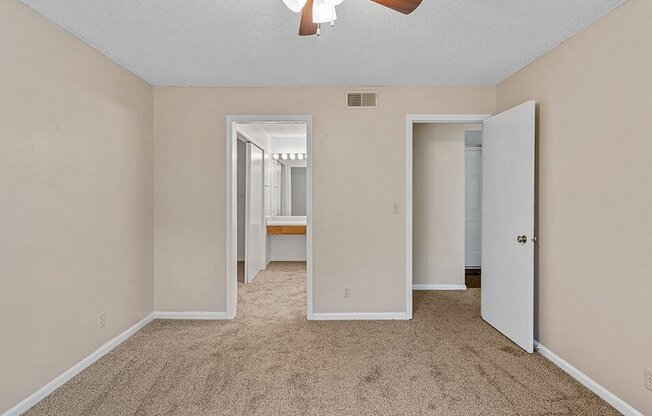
[{"x": 271, "y": 361}]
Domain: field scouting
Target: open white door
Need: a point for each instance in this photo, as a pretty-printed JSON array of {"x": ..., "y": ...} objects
[
  {"x": 254, "y": 214},
  {"x": 508, "y": 223}
]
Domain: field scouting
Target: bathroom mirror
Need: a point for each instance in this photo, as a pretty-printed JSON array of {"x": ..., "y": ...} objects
[{"x": 288, "y": 185}]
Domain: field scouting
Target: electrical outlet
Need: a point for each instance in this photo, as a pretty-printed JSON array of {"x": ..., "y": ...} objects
[
  {"x": 395, "y": 208},
  {"x": 347, "y": 293},
  {"x": 101, "y": 320},
  {"x": 648, "y": 378}
]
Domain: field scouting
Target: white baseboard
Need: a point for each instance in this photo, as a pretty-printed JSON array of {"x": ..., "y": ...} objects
[
  {"x": 44, "y": 391},
  {"x": 190, "y": 315},
  {"x": 438, "y": 287},
  {"x": 616, "y": 402},
  {"x": 360, "y": 316}
]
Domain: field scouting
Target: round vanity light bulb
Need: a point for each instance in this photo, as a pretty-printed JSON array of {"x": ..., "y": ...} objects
[
  {"x": 322, "y": 12},
  {"x": 295, "y": 5},
  {"x": 293, "y": 156},
  {"x": 276, "y": 156},
  {"x": 300, "y": 156},
  {"x": 284, "y": 156}
]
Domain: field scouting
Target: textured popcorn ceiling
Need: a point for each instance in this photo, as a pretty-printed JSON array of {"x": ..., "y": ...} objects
[{"x": 255, "y": 42}]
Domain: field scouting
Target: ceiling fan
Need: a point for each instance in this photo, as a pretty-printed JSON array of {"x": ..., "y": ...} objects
[{"x": 316, "y": 12}]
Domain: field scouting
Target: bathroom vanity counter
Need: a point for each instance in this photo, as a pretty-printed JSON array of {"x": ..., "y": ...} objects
[
  {"x": 286, "y": 225},
  {"x": 287, "y": 238}
]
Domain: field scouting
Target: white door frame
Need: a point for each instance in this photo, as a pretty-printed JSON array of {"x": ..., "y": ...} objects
[
  {"x": 231, "y": 190},
  {"x": 411, "y": 120}
]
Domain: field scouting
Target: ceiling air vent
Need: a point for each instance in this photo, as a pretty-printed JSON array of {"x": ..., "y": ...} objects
[{"x": 361, "y": 99}]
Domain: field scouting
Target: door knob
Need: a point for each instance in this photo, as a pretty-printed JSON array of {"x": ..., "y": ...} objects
[{"x": 521, "y": 239}]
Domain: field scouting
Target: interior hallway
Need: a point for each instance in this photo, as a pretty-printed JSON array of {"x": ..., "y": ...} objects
[{"x": 271, "y": 361}]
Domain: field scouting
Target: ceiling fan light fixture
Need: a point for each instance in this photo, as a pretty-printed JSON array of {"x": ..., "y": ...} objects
[
  {"x": 323, "y": 12},
  {"x": 295, "y": 5},
  {"x": 316, "y": 12}
]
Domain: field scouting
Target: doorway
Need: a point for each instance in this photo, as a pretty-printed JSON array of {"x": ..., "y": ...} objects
[
  {"x": 507, "y": 217},
  {"x": 258, "y": 203},
  {"x": 440, "y": 191}
]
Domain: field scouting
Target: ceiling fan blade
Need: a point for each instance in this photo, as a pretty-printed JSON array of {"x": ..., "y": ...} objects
[
  {"x": 307, "y": 27},
  {"x": 403, "y": 6}
]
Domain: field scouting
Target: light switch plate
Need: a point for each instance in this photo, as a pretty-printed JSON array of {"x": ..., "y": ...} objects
[{"x": 648, "y": 378}]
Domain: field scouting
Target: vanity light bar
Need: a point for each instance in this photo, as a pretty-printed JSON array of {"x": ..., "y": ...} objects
[{"x": 291, "y": 156}]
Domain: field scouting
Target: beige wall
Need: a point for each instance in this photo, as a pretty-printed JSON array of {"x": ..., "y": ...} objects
[
  {"x": 439, "y": 208},
  {"x": 76, "y": 201},
  {"x": 595, "y": 192},
  {"x": 359, "y": 171}
]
